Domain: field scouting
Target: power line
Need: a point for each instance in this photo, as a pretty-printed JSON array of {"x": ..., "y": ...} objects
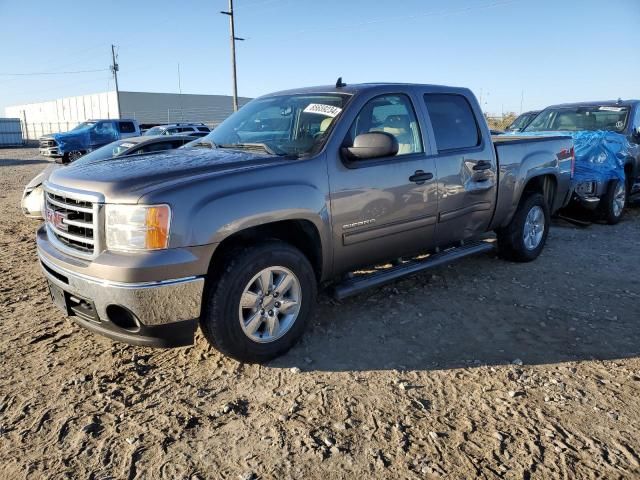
[{"x": 24, "y": 74}]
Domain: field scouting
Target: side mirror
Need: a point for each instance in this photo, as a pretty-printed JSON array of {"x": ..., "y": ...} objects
[{"x": 372, "y": 145}]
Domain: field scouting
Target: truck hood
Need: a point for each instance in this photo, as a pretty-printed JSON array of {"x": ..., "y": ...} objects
[{"x": 126, "y": 179}]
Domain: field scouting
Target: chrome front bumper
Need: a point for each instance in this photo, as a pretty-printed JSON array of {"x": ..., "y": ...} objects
[
  {"x": 153, "y": 303},
  {"x": 164, "y": 313},
  {"x": 50, "y": 152}
]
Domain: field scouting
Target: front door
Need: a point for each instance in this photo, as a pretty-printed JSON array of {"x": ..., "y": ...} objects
[
  {"x": 384, "y": 207},
  {"x": 466, "y": 168}
]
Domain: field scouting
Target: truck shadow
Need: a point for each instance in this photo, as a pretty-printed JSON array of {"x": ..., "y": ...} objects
[
  {"x": 483, "y": 311},
  {"x": 15, "y": 162}
]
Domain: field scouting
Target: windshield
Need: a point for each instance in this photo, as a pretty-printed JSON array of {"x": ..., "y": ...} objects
[
  {"x": 290, "y": 125},
  {"x": 521, "y": 122},
  {"x": 112, "y": 150},
  {"x": 155, "y": 131},
  {"x": 83, "y": 125},
  {"x": 596, "y": 117}
]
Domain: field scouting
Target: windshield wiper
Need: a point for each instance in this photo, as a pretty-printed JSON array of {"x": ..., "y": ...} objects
[
  {"x": 249, "y": 146},
  {"x": 204, "y": 143}
]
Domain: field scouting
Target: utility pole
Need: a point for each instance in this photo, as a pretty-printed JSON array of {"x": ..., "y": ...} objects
[
  {"x": 114, "y": 70},
  {"x": 233, "y": 54}
]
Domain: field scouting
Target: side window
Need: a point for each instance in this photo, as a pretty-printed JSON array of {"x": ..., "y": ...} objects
[
  {"x": 453, "y": 121},
  {"x": 156, "y": 147},
  {"x": 171, "y": 131},
  {"x": 127, "y": 127},
  {"x": 105, "y": 128},
  {"x": 203, "y": 129},
  {"x": 636, "y": 120},
  {"x": 392, "y": 114}
]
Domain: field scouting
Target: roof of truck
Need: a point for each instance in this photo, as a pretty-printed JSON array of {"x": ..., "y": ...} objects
[
  {"x": 614, "y": 103},
  {"x": 356, "y": 87},
  {"x": 110, "y": 120}
]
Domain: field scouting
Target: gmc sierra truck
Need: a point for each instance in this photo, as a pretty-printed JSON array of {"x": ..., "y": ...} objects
[{"x": 296, "y": 190}]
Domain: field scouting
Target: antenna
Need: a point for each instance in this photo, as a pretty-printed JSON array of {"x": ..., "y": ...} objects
[{"x": 340, "y": 83}]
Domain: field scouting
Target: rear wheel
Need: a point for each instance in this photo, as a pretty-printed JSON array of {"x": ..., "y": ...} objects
[
  {"x": 613, "y": 202},
  {"x": 524, "y": 238},
  {"x": 259, "y": 306}
]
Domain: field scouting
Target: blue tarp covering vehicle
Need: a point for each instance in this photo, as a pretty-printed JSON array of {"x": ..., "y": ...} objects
[
  {"x": 607, "y": 151},
  {"x": 87, "y": 137}
]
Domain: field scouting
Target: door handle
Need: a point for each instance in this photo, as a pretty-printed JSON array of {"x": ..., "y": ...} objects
[
  {"x": 482, "y": 165},
  {"x": 420, "y": 177}
]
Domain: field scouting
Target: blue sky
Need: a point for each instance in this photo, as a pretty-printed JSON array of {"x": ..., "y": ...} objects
[{"x": 553, "y": 51}]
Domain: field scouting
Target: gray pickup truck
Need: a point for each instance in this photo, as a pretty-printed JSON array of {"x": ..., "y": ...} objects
[{"x": 296, "y": 190}]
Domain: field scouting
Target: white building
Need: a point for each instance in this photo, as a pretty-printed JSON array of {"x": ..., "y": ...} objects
[{"x": 148, "y": 108}]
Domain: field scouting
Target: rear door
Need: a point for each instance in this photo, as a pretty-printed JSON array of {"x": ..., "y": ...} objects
[
  {"x": 465, "y": 166},
  {"x": 383, "y": 207}
]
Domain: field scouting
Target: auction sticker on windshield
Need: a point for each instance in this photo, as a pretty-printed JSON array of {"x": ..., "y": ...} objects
[{"x": 328, "y": 110}]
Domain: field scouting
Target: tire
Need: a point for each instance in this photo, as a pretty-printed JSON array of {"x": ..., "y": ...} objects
[
  {"x": 227, "y": 325},
  {"x": 520, "y": 241},
  {"x": 613, "y": 202}
]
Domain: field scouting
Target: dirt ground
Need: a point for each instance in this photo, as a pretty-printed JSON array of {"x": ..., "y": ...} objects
[{"x": 484, "y": 369}]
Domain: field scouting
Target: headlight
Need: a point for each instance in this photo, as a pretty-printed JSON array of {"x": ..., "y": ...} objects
[
  {"x": 137, "y": 227},
  {"x": 33, "y": 201}
]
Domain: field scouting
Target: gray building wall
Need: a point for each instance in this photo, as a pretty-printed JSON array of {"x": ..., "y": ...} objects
[
  {"x": 63, "y": 114},
  {"x": 174, "y": 107}
]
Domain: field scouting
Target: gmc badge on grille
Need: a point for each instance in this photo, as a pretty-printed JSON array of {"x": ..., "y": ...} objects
[{"x": 57, "y": 220}]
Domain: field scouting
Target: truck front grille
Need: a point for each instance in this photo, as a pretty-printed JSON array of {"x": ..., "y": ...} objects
[
  {"x": 72, "y": 222},
  {"x": 47, "y": 142}
]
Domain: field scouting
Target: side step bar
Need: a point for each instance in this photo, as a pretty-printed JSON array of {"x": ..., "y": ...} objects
[{"x": 355, "y": 285}]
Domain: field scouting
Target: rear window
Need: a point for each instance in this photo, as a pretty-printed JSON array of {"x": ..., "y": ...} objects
[
  {"x": 453, "y": 121},
  {"x": 127, "y": 127}
]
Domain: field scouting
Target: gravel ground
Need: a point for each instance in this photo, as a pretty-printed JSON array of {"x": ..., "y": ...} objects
[{"x": 483, "y": 369}]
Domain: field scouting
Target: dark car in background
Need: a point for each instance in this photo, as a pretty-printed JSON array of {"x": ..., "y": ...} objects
[
  {"x": 522, "y": 121},
  {"x": 32, "y": 196},
  {"x": 607, "y": 149}
]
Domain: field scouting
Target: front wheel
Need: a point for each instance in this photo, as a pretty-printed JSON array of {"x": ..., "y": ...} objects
[
  {"x": 524, "y": 238},
  {"x": 613, "y": 202},
  {"x": 73, "y": 155},
  {"x": 259, "y": 305}
]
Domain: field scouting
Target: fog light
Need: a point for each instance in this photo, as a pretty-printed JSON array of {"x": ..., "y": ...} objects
[{"x": 123, "y": 318}]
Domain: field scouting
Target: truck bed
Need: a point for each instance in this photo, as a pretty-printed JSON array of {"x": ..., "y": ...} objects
[
  {"x": 514, "y": 151},
  {"x": 501, "y": 139}
]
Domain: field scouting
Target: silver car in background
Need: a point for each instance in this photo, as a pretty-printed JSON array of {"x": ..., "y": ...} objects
[{"x": 33, "y": 195}]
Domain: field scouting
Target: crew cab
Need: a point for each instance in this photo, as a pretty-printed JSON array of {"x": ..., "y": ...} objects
[
  {"x": 296, "y": 190},
  {"x": 607, "y": 149},
  {"x": 85, "y": 137}
]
